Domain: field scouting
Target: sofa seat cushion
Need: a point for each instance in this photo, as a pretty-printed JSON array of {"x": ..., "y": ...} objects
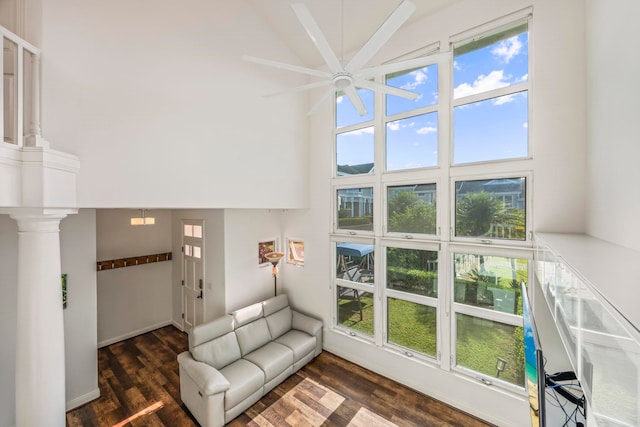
[
  {"x": 245, "y": 378},
  {"x": 272, "y": 358},
  {"x": 299, "y": 342}
]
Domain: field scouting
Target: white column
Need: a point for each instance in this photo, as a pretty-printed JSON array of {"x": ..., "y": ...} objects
[{"x": 40, "y": 360}]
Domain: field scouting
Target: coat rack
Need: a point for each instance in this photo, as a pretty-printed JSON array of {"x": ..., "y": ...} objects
[{"x": 132, "y": 261}]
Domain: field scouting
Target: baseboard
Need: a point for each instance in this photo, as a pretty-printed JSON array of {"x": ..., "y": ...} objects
[
  {"x": 132, "y": 334},
  {"x": 177, "y": 325},
  {"x": 81, "y": 400}
]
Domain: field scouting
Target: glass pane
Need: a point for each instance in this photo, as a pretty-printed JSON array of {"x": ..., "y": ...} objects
[
  {"x": 413, "y": 270},
  {"x": 346, "y": 113},
  {"x": 423, "y": 81},
  {"x": 491, "y": 282},
  {"x": 197, "y": 231},
  {"x": 493, "y": 129},
  {"x": 354, "y": 262},
  {"x": 355, "y": 209},
  {"x": 491, "y": 62},
  {"x": 296, "y": 251},
  {"x": 354, "y": 152},
  {"x": 196, "y": 251},
  {"x": 412, "y": 142},
  {"x": 188, "y": 250},
  {"x": 610, "y": 371},
  {"x": 411, "y": 208},
  {"x": 412, "y": 326},
  {"x": 492, "y": 208},
  {"x": 485, "y": 346},
  {"x": 355, "y": 310},
  {"x": 188, "y": 230}
]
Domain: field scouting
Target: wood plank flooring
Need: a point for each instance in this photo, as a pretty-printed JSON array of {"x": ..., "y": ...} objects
[{"x": 140, "y": 386}]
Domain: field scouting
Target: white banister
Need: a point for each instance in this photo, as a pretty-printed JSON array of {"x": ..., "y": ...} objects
[{"x": 13, "y": 65}]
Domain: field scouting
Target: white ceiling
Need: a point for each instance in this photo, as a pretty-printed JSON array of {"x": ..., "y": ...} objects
[{"x": 347, "y": 24}]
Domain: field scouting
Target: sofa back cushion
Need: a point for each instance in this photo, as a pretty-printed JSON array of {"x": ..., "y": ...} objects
[
  {"x": 247, "y": 314},
  {"x": 218, "y": 352},
  {"x": 253, "y": 335},
  {"x": 215, "y": 342},
  {"x": 279, "y": 322}
]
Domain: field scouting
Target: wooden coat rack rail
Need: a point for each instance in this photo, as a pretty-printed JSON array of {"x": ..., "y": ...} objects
[{"x": 131, "y": 261}]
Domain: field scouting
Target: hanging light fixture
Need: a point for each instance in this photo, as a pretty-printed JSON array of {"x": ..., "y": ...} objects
[{"x": 142, "y": 219}]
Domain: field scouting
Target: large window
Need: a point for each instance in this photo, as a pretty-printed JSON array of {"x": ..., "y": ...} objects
[
  {"x": 490, "y": 96},
  {"x": 435, "y": 192}
]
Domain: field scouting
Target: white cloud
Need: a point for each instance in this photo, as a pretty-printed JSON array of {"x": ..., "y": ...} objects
[
  {"x": 493, "y": 80},
  {"x": 426, "y": 130},
  {"x": 339, "y": 99},
  {"x": 525, "y": 125},
  {"x": 393, "y": 125},
  {"x": 503, "y": 99},
  {"x": 508, "y": 48},
  {"x": 419, "y": 78}
]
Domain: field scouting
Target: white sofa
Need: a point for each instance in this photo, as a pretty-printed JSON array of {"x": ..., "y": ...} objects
[{"x": 236, "y": 359}]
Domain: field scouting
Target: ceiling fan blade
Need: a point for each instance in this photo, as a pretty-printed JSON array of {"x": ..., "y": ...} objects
[
  {"x": 391, "y": 90},
  {"x": 288, "y": 67},
  {"x": 355, "y": 99},
  {"x": 316, "y": 35},
  {"x": 409, "y": 64},
  {"x": 380, "y": 37},
  {"x": 322, "y": 99},
  {"x": 300, "y": 88}
]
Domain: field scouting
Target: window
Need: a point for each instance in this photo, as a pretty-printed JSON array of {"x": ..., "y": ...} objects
[
  {"x": 491, "y": 208},
  {"x": 411, "y": 296},
  {"x": 355, "y": 209},
  {"x": 354, "y": 152},
  {"x": 355, "y": 287},
  {"x": 423, "y": 81},
  {"x": 412, "y": 142},
  {"x": 458, "y": 158},
  {"x": 490, "y": 115},
  {"x": 411, "y": 208},
  {"x": 488, "y": 307}
]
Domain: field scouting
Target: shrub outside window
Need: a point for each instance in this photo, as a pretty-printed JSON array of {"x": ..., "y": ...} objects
[
  {"x": 491, "y": 208},
  {"x": 411, "y": 208}
]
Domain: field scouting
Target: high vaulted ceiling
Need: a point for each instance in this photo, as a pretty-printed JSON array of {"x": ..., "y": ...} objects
[{"x": 347, "y": 24}]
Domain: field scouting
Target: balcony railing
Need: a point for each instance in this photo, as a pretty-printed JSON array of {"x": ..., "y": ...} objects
[{"x": 20, "y": 92}]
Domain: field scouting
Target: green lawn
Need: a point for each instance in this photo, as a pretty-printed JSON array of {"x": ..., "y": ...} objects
[{"x": 479, "y": 342}]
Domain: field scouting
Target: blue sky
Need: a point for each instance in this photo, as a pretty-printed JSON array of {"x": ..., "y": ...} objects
[{"x": 488, "y": 130}]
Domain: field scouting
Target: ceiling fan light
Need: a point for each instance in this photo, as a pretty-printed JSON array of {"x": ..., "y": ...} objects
[{"x": 342, "y": 81}]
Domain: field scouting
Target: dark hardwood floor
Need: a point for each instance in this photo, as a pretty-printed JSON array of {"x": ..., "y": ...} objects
[{"x": 140, "y": 386}]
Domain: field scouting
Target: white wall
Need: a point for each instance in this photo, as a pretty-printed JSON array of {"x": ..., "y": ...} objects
[
  {"x": 245, "y": 281},
  {"x": 158, "y": 92},
  {"x": 132, "y": 300},
  {"x": 78, "y": 261},
  {"x": 8, "y": 282},
  {"x": 614, "y": 148}
]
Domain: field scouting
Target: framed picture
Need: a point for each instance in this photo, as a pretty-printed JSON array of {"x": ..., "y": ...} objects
[
  {"x": 295, "y": 251},
  {"x": 264, "y": 247},
  {"x": 64, "y": 291}
]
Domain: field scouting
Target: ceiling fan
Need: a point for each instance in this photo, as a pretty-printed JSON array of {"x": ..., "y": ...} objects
[{"x": 350, "y": 76}]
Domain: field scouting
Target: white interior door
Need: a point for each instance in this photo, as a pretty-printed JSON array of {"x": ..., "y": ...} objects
[{"x": 193, "y": 289}]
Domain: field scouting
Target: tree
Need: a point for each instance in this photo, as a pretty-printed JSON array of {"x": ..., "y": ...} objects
[
  {"x": 475, "y": 212},
  {"x": 410, "y": 214}
]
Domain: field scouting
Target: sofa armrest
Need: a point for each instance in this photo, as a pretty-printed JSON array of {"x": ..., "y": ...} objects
[
  {"x": 305, "y": 323},
  {"x": 207, "y": 378}
]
